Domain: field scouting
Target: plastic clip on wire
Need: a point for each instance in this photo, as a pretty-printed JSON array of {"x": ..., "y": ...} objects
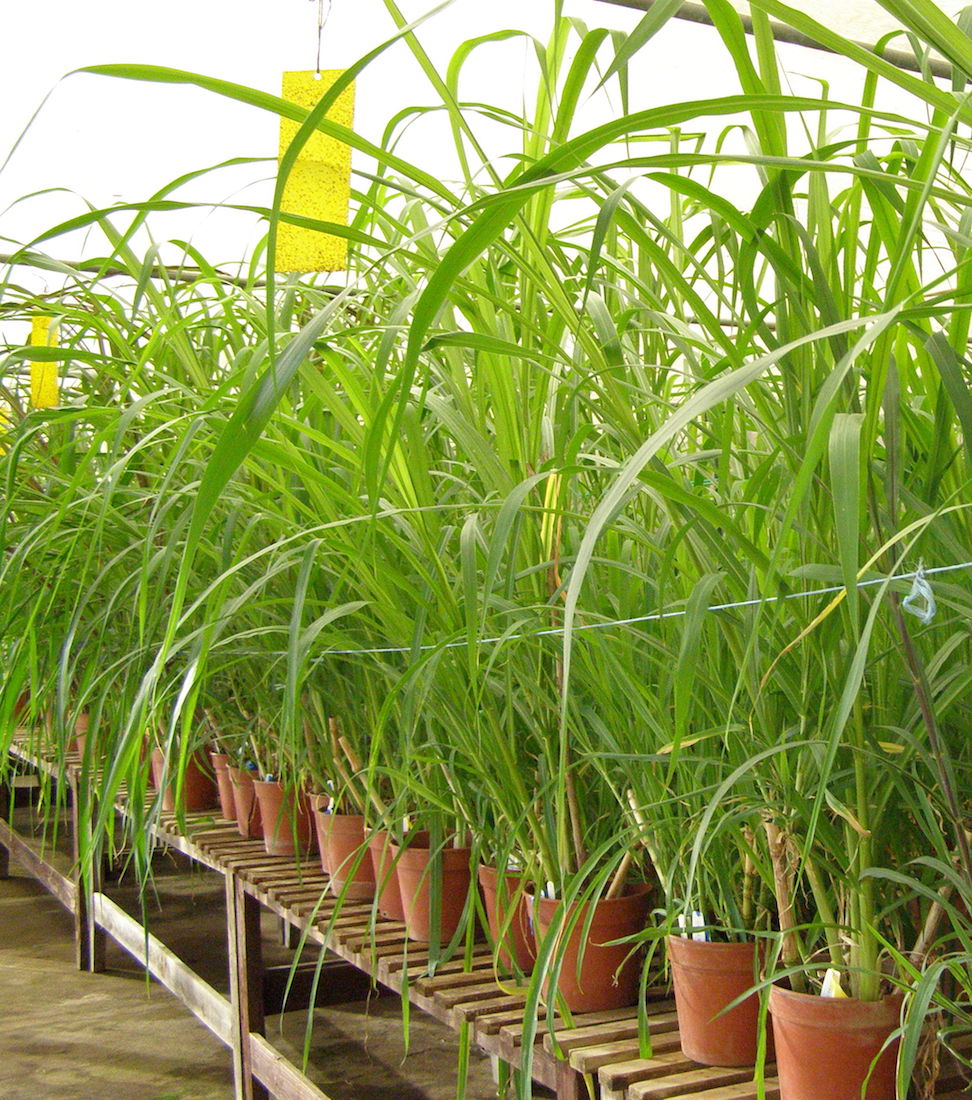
[{"x": 920, "y": 601}]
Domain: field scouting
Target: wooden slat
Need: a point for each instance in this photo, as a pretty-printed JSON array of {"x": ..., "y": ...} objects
[
  {"x": 449, "y": 995},
  {"x": 744, "y": 1091},
  {"x": 495, "y": 1022},
  {"x": 283, "y": 872},
  {"x": 699, "y": 1079},
  {"x": 451, "y": 976},
  {"x": 365, "y": 938},
  {"x": 467, "y": 1012},
  {"x": 305, "y": 892},
  {"x": 623, "y": 1052},
  {"x": 661, "y": 1019},
  {"x": 417, "y": 960}
]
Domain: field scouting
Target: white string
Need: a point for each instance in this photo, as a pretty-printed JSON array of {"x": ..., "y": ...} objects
[
  {"x": 652, "y": 618},
  {"x": 322, "y": 19}
]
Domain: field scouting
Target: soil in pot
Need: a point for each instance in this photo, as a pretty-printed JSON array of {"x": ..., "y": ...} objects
[
  {"x": 414, "y": 881},
  {"x": 707, "y": 978},
  {"x": 499, "y": 893},
  {"x": 386, "y": 875},
  {"x": 247, "y": 809},
  {"x": 227, "y": 805},
  {"x": 609, "y": 975},
  {"x": 198, "y": 785},
  {"x": 825, "y": 1046},
  {"x": 286, "y": 818}
]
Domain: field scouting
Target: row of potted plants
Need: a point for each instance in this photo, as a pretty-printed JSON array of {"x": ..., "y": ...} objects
[
  {"x": 562, "y": 500},
  {"x": 589, "y": 946}
]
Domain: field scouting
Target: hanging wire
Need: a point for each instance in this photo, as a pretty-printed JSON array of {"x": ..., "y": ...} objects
[
  {"x": 918, "y": 575},
  {"x": 323, "y": 14}
]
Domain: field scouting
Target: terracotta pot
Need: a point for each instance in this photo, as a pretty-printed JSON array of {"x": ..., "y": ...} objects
[
  {"x": 227, "y": 805},
  {"x": 198, "y": 785},
  {"x": 518, "y": 942},
  {"x": 825, "y": 1045},
  {"x": 608, "y": 976},
  {"x": 386, "y": 875},
  {"x": 247, "y": 810},
  {"x": 23, "y": 702},
  {"x": 707, "y": 978},
  {"x": 340, "y": 838},
  {"x": 81, "y": 732},
  {"x": 414, "y": 881},
  {"x": 319, "y": 804},
  {"x": 286, "y": 818}
]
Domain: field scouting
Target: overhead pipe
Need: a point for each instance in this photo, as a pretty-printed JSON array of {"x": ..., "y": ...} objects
[{"x": 697, "y": 13}]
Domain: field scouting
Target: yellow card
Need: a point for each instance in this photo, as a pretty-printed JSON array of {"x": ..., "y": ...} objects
[
  {"x": 43, "y": 376},
  {"x": 319, "y": 184}
]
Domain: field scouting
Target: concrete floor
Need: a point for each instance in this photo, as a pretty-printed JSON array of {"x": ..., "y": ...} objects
[{"x": 68, "y": 1035}]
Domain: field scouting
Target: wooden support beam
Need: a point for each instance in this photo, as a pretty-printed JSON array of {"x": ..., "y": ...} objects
[
  {"x": 62, "y": 887},
  {"x": 281, "y": 1077},
  {"x": 167, "y": 968}
]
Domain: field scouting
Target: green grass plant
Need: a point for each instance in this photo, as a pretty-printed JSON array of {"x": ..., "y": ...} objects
[{"x": 540, "y": 499}]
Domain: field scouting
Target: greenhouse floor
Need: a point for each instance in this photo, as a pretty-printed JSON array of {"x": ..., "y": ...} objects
[{"x": 112, "y": 1036}]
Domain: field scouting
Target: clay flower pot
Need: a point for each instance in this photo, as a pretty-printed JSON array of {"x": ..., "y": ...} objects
[
  {"x": 707, "y": 978},
  {"x": 386, "y": 875},
  {"x": 81, "y": 732},
  {"x": 227, "y": 806},
  {"x": 247, "y": 811},
  {"x": 341, "y": 837},
  {"x": 286, "y": 818},
  {"x": 198, "y": 785},
  {"x": 319, "y": 804},
  {"x": 825, "y": 1046},
  {"x": 414, "y": 881},
  {"x": 498, "y": 894},
  {"x": 609, "y": 975}
]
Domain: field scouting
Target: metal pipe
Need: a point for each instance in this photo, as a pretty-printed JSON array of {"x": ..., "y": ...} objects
[{"x": 696, "y": 13}]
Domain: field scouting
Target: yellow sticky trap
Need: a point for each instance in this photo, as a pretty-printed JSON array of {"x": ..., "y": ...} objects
[
  {"x": 319, "y": 184},
  {"x": 43, "y": 375}
]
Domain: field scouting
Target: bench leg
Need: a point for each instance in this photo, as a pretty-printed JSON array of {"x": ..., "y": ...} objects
[
  {"x": 5, "y": 803},
  {"x": 570, "y": 1084},
  {"x": 288, "y": 935},
  {"x": 246, "y": 985}
]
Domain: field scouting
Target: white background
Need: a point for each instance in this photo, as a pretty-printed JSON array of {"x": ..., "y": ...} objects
[{"x": 105, "y": 140}]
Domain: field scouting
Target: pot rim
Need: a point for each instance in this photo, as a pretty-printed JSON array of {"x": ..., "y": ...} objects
[
  {"x": 712, "y": 947},
  {"x": 633, "y": 892},
  {"x": 787, "y": 1003}
]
